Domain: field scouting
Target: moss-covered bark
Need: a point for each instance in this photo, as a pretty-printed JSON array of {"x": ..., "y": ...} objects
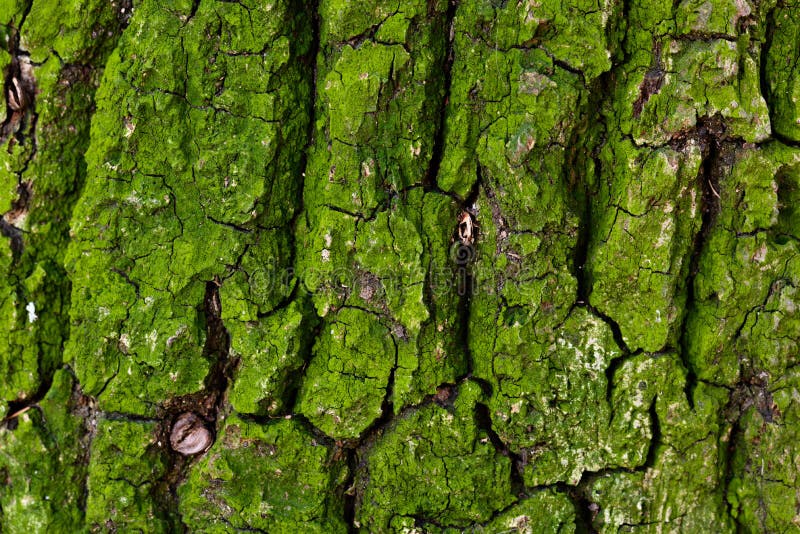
[{"x": 418, "y": 266}]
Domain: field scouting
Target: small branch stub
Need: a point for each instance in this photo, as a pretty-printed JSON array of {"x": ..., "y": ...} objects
[
  {"x": 15, "y": 95},
  {"x": 463, "y": 251},
  {"x": 465, "y": 228},
  {"x": 190, "y": 435}
]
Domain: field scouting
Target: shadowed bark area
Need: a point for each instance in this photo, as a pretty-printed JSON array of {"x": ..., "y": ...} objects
[{"x": 412, "y": 266}]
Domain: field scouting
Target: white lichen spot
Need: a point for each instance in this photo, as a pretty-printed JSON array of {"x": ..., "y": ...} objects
[
  {"x": 328, "y": 239},
  {"x": 178, "y": 333},
  {"x": 152, "y": 339},
  {"x": 124, "y": 343},
  {"x": 742, "y": 9},
  {"x": 367, "y": 168},
  {"x": 31, "y": 309},
  {"x": 534, "y": 83},
  {"x": 761, "y": 254},
  {"x": 326, "y": 255},
  {"x": 665, "y": 236},
  {"x": 728, "y": 63},
  {"x": 515, "y": 408},
  {"x": 520, "y": 524},
  {"x": 133, "y": 199},
  {"x": 130, "y": 127}
]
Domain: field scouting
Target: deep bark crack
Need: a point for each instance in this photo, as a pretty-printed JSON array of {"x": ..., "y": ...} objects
[{"x": 711, "y": 135}]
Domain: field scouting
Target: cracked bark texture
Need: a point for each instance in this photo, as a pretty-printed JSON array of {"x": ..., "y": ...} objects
[{"x": 248, "y": 211}]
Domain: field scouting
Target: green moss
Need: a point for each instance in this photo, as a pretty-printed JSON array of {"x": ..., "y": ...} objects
[
  {"x": 439, "y": 449},
  {"x": 274, "y": 477},
  {"x": 589, "y": 140},
  {"x": 763, "y": 489},
  {"x": 270, "y": 351},
  {"x": 173, "y": 201},
  {"x": 782, "y": 73},
  {"x": 677, "y": 488},
  {"x": 374, "y": 235},
  {"x": 347, "y": 379},
  {"x": 42, "y": 463},
  {"x": 74, "y": 32},
  {"x": 747, "y": 272},
  {"x": 550, "y": 401},
  {"x": 681, "y": 67},
  {"x": 645, "y": 219},
  {"x": 11, "y": 14},
  {"x": 514, "y": 108},
  {"x": 572, "y": 32},
  {"x": 126, "y": 472},
  {"x": 546, "y": 511},
  {"x": 701, "y": 17}
]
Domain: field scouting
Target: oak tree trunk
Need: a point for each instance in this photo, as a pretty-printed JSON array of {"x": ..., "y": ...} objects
[{"x": 411, "y": 266}]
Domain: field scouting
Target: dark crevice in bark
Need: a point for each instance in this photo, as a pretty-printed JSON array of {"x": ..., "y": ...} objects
[
  {"x": 655, "y": 438},
  {"x": 653, "y": 80},
  {"x": 21, "y": 120},
  {"x": 586, "y": 142},
  {"x": 766, "y": 92},
  {"x": 18, "y": 407},
  {"x": 734, "y": 432},
  {"x": 585, "y": 509},
  {"x": 430, "y": 181},
  {"x": 581, "y": 256},
  {"x": 483, "y": 420},
  {"x": 208, "y": 405},
  {"x": 19, "y": 209},
  {"x": 217, "y": 347},
  {"x": 310, "y": 61},
  {"x": 387, "y": 407},
  {"x": 463, "y": 255},
  {"x": 783, "y": 139},
  {"x": 750, "y": 392},
  {"x": 710, "y": 134},
  {"x": 306, "y": 353},
  {"x": 84, "y": 408},
  {"x": 582, "y": 149},
  {"x": 349, "y": 493},
  {"x": 585, "y": 512}
]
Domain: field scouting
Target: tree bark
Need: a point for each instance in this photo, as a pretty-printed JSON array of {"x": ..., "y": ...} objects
[{"x": 413, "y": 266}]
